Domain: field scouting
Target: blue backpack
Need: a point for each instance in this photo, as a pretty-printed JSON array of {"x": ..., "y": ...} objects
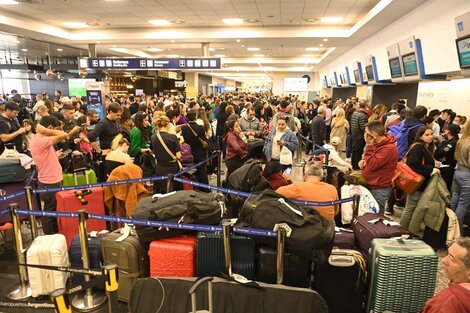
[{"x": 402, "y": 133}]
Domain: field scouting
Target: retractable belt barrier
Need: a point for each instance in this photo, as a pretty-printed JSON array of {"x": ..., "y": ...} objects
[
  {"x": 214, "y": 155},
  {"x": 12, "y": 196},
  {"x": 31, "y": 178},
  {"x": 309, "y": 140}
]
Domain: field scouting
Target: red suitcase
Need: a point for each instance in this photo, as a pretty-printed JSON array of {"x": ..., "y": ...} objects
[
  {"x": 173, "y": 257},
  {"x": 68, "y": 202}
]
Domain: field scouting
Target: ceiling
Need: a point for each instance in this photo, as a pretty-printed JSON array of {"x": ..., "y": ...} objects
[{"x": 290, "y": 34}]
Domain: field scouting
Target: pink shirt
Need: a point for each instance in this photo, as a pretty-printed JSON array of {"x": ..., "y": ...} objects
[{"x": 48, "y": 166}]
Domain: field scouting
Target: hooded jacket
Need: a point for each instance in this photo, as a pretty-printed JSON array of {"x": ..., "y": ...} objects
[
  {"x": 253, "y": 125},
  {"x": 455, "y": 299},
  {"x": 410, "y": 122},
  {"x": 381, "y": 162}
]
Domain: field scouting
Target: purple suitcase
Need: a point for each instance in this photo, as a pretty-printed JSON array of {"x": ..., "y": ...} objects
[
  {"x": 365, "y": 231},
  {"x": 344, "y": 239}
]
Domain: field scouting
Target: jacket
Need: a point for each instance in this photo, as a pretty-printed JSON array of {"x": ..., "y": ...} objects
[
  {"x": 410, "y": 122},
  {"x": 318, "y": 130},
  {"x": 420, "y": 161},
  {"x": 431, "y": 207},
  {"x": 455, "y": 299},
  {"x": 129, "y": 193},
  {"x": 276, "y": 181},
  {"x": 358, "y": 124},
  {"x": 253, "y": 125},
  {"x": 290, "y": 139},
  {"x": 235, "y": 146},
  {"x": 381, "y": 162}
]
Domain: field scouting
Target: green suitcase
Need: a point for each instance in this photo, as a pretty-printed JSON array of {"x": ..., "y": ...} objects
[
  {"x": 402, "y": 275},
  {"x": 80, "y": 178}
]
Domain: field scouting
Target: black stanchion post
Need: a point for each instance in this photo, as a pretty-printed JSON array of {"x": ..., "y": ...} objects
[
  {"x": 298, "y": 158},
  {"x": 61, "y": 301},
  {"x": 356, "y": 201},
  {"x": 21, "y": 291},
  {"x": 170, "y": 183},
  {"x": 112, "y": 285},
  {"x": 227, "y": 252},
  {"x": 327, "y": 158},
  {"x": 219, "y": 168},
  {"x": 89, "y": 300},
  {"x": 32, "y": 218},
  {"x": 281, "y": 236}
]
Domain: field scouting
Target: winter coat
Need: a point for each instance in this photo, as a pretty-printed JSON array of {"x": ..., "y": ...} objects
[
  {"x": 340, "y": 131},
  {"x": 288, "y": 137},
  {"x": 358, "y": 124},
  {"x": 381, "y": 162}
]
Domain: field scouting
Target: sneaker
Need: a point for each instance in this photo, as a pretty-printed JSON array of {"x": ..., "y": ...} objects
[{"x": 388, "y": 212}]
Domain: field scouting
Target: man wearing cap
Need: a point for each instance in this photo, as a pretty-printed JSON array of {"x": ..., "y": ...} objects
[
  {"x": 379, "y": 162},
  {"x": 10, "y": 129},
  {"x": 445, "y": 153}
]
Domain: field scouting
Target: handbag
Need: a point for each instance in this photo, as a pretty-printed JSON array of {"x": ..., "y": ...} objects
[
  {"x": 285, "y": 158},
  {"x": 172, "y": 155},
  {"x": 204, "y": 142},
  {"x": 405, "y": 178},
  {"x": 10, "y": 154}
]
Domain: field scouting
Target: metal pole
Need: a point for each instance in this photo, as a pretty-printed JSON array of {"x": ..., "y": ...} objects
[
  {"x": 61, "y": 301},
  {"x": 112, "y": 285},
  {"x": 356, "y": 202},
  {"x": 21, "y": 291},
  {"x": 219, "y": 167},
  {"x": 227, "y": 252},
  {"x": 281, "y": 236},
  {"x": 170, "y": 183},
  {"x": 327, "y": 158},
  {"x": 299, "y": 150},
  {"x": 32, "y": 218}
]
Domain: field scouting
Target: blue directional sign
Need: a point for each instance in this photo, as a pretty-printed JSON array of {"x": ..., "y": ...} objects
[{"x": 150, "y": 64}]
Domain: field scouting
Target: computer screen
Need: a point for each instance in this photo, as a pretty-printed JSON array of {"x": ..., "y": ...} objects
[
  {"x": 410, "y": 67},
  {"x": 370, "y": 73},
  {"x": 357, "y": 76},
  {"x": 463, "y": 50},
  {"x": 395, "y": 68}
]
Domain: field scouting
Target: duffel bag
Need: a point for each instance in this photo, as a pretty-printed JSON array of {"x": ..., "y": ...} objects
[
  {"x": 312, "y": 234},
  {"x": 185, "y": 206},
  {"x": 11, "y": 171}
]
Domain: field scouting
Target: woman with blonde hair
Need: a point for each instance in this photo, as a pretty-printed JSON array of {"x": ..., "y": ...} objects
[
  {"x": 167, "y": 150},
  {"x": 340, "y": 129},
  {"x": 118, "y": 155},
  {"x": 377, "y": 112},
  {"x": 460, "y": 202}
]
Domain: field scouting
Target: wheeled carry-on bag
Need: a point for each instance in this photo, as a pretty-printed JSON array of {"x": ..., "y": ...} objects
[
  {"x": 296, "y": 268},
  {"x": 402, "y": 275},
  {"x": 80, "y": 177},
  {"x": 94, "y": 256},
  {"x": 168, "y": 294},
  {"x": 173, "y": 257},
  {"x": 47, "y": 250},
  {"x": 343, "y": 275},
  {"x": 67, "y": 201},
  {"x": 130, "y": 258}
]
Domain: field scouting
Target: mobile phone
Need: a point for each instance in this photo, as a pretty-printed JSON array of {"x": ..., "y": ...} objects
[
  {"x": 288, "y": 171},
  {"x": 67, "y": 152}
]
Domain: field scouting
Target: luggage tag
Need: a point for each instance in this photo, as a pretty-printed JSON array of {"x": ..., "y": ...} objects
[
  {"x": 95, "y": 234},
  {"x": 285, "y": 227},
  {"x": 390, "y": 223},
  {"x": 341, "y": 229},
  {"x": 157, "y": 196},
  {"x": 126, "y": 231},
  {"x": 283, "y": 201}
]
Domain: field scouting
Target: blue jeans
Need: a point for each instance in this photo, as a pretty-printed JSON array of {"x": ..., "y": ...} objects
[
  {"x": 381, "y": 196},
  {"x": 460, "y": 202}
]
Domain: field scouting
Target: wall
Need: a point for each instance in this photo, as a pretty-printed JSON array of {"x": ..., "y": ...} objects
[
  {"x": 203, "y": 83},
  {"x": 432, "y": 22},
  {"x": 387, "y": 94},
  {"x": 453, "y": 95},
  {"x": 343, "y": 93},
  {"x": 14, "y": 79},
  {"x": 278, "y": 84}
]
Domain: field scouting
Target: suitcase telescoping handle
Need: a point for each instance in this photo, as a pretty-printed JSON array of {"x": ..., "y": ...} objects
[
  {"x": 192, "y": 293},
  {"x": 356, "y": 200}
]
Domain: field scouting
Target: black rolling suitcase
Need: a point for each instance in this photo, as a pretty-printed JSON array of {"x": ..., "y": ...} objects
[
  {"x": 211, "y": 260},
  {"x": 94, "y": 256},
  {"x": 341, "y": 281},
  {"x": 296, "y": 268}
]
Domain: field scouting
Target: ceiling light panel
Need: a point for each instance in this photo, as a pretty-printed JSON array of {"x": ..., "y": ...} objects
[
  {"x": 160, "y": 22},
  {"x": 331, "y": 19},
  {"x": 75, "y": 24},
  {"x": 232, "y": 21}
]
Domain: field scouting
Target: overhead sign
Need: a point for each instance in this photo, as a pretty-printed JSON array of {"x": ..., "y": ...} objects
[{"x": 150, "y": 64}]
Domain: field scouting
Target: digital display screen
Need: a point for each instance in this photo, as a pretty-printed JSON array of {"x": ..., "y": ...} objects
[
  {"x": 463, "y": 49},
  {"x": 410, "y": 67},
  {"x": 395, "y": 68},
  {"x": 370, "y": 73},
  {"x": 295, "y": 84},
  {"x": 357, "y": 76}
]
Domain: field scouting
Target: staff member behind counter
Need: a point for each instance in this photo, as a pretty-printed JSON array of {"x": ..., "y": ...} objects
[
  {"x": 445, "y": 153},
  {"x": 106, "y": 129}
]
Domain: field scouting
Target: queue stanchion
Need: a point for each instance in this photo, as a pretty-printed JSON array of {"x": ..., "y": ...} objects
[
  {"x": 281, "y": 236},
  {"x": 90, "y": 300},
  {"x": 112, "y": 285},
  {"x": 61, "y": 301},
  {"x": 356, "y": 202},
  {"x": 327, "y": 158},
  {"x": 170, "y": 182},
  {"x": 227, "y": 250},
  {"x": 21, "y": 291},
  {"x": 219, "y": 168},
  {"x": 298, "y": 159},
  {"x": 32, "y": 218}
]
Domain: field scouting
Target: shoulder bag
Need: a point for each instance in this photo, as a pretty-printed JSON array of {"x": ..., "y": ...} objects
[
  {"x": 405, "y": 178},
  {"x": 171, "y": 154}
]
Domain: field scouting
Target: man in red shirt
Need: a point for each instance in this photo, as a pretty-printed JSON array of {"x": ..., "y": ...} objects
[
  {"x": 379, "y": 162},
  {"x": 455, "y": 298}
]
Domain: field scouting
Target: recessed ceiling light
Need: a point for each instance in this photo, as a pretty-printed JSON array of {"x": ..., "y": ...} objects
[
  {"x": 220, "y": 55},
  {"x": 183, "y": 46},
  {"x": 312, "y": 49},
  {"x": 60, "y": 50},
  {"x": 173, "y": 41},
  {"x": 154, "y": 49},
  {"x": 243, "y": 46},
  {"x": 252, "y": 20},
  {"x": 8, "y": 2},
  {"x": 114, "y": 46},
  {"x": 252, "y": 49},
  {"x": 75, "y": 24},
  {"x": 331, "y": 19},
  {"x": 238, "y": 40},
  {"x": 98, "y": 42},
  {"x": 258, "y": 55},
  {"x": 321, "y": 45},
  {"x": 24, "y": 50},
  {"x": 232, "y": 21},
  {"x": 211, "y": 49},
  {"x": 325, "y": 39},
  {"x": 17, "y": 41},
  {"x": 160, "y": 22}
]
